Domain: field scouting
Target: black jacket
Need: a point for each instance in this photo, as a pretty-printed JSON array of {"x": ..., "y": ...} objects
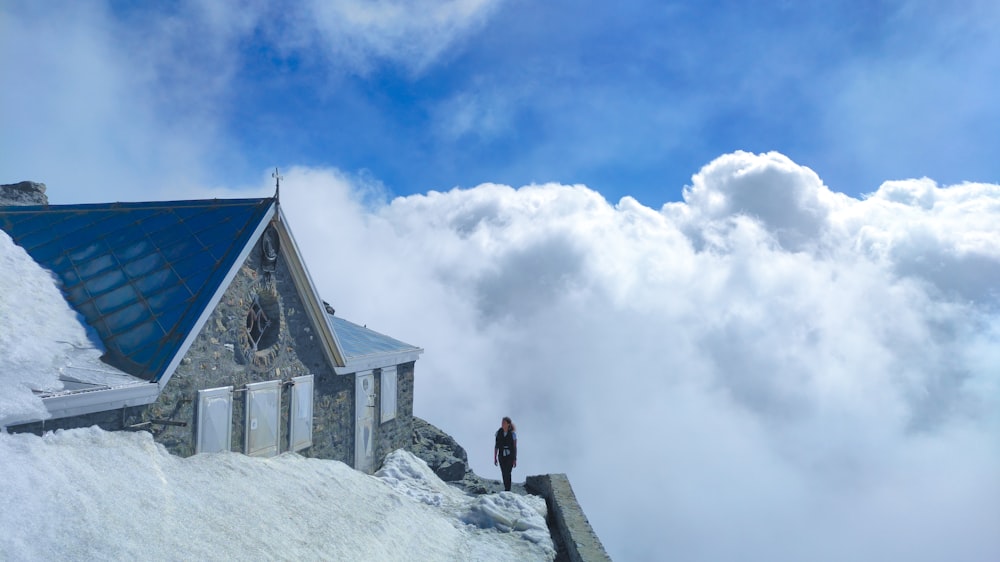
[{"x": 506, "y": 445}]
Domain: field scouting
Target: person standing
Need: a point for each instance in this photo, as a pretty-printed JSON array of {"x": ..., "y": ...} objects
[{"x": 505, "y": 450}]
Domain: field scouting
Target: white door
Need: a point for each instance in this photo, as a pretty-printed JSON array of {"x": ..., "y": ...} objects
[{"x": 364, "y": 422}]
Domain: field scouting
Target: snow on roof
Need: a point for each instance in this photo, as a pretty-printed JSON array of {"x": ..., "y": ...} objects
[
  {"x": 142, "y": 274},
  {"x": 44, "y": 345}
]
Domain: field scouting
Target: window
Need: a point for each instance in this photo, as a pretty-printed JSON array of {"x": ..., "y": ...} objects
[
  {"x": 388, "y": 393},
  {"x": 262, "y": 322}
]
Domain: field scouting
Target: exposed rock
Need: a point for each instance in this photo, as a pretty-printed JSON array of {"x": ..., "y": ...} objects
[
  {"x": 439, "y": 450},
  {"x": 23, "y": 193},
  {"x": 449, "y": 460}
]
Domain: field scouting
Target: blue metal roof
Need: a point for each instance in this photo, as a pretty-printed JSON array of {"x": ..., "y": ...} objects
[
  {"x": 141, "y": 274},
  {"x": 358, "y": 341}
]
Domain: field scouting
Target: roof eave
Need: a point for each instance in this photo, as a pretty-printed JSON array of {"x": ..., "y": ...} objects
[
  {"x": 80, "y": 403},
  {"x": 378, "y": 361},
  {"x": 312, "y": 301}
]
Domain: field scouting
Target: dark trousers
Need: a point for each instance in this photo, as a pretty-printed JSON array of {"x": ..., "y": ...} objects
[{"x": 506, "y": 465}]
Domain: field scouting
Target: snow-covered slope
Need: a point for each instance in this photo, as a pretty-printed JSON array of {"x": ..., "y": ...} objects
[{"x": 88, "y": 494}]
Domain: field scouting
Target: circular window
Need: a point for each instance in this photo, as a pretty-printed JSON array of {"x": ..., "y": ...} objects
[
  {"x": 261, "y": 330},
  {"x": 263, "y": 322}
]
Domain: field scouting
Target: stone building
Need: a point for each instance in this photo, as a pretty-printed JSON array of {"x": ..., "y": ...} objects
[{"x": 215, "y": 336}]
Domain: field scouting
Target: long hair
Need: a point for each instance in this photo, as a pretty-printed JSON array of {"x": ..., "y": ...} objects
[{"x": 507, "y": 419}]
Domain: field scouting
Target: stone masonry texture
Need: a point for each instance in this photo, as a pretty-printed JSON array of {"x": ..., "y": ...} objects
[{"x": 219, "y": 357}]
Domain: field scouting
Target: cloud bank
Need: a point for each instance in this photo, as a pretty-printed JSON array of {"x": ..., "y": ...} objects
[
  {"x": 767, "y": 370},
  {"x": 791, "y": 372}
]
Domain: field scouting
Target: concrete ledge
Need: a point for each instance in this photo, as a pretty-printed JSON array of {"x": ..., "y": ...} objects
[{"x": 578, "y": 537}]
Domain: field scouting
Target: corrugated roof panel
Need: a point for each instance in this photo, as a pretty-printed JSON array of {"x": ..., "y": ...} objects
[
  {"x": 88, "y": 310},
  {"x": 168, "y": 307},
  {"x": 196, "y": 269},
  {"x": 113, "y": 222},
  {"x": 197, "y": 223},
  {"x": 76, "y": 292},
  {"x": 143, "y": 265},
  {"x": 161, "y": 354},
  {"x": 135, "y": 342},
  {"x": 215, "y": 247},
  {"x": 130, "y": 250},
  {"x": 163, "y": 280},
  {"x": 82, "y": 255},
  {"x": 58, "y": 262},
  {"x": 112, "y": 301},
  {"x": 104, "y": 279},
  {"x": 180, "y": 248},
  {"x": 140, "y": 273},
  {"x": 127, "y": 317},
  {"x": 49, "y": 250},
  {"x": 162, "y": 235},
  {"x": 69, "y": 222}
]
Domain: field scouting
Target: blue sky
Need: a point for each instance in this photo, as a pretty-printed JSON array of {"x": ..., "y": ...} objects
[
  {"x": 799, "y": 359},
  {"x": 630, "y": 98}
]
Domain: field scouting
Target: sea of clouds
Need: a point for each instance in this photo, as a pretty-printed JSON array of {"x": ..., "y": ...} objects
[{"x": 765, "y": 370}]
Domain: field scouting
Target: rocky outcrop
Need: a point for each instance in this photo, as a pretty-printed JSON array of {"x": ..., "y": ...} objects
[
  {"x": 23, "y": 193},
  {"x": 572, "y": 535},
  {"x": 449, "y": 461},
  {"x": 439, "y": 450}
]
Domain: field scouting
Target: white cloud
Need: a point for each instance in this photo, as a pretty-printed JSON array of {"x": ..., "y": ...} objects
[
  {"x": 91, "y": 110},
  {"x": 943, "y": 236},
  {"x": 793, "y": 373},
  {"x": 413, "y": 34},
  {"x": 138, "y": 101},
  {"x": 790, "y": 200},
  {"x": 768, "y": 351},
  {"x": 482, "y": 113}
]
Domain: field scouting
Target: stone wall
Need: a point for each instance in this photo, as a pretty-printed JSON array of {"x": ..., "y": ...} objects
[
  {"x": 396, "y": 433},
  {"x": 567, "y": 518},
  {"x": 221, "y": 355}
]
